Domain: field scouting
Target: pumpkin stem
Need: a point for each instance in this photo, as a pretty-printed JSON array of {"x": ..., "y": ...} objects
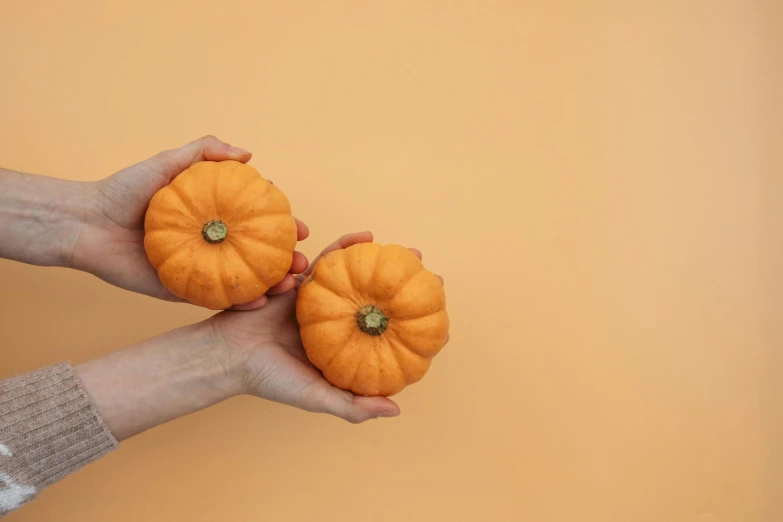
[
  {"x": 214, "y": 231},
  {"x": 372, "y": 320}
]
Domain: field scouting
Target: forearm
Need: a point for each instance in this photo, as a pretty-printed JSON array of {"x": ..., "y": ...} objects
[
  {"x": 158, "y": 380},
  {"x": 55, "y": 420},
  {"x": 41, "y": 218}
]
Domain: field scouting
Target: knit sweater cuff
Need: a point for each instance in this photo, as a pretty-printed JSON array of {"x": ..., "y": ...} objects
[{"x": 49, "y": 428}]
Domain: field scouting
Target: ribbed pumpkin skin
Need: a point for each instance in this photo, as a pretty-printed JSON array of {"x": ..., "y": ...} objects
[
  {"x": 392, "y": 279},
  {"x": 257, "y": 250}
]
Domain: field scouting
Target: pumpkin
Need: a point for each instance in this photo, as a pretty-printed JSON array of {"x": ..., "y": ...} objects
[
  {"x": 372, "y": 318},
  {"x": 220, "y": 234}
]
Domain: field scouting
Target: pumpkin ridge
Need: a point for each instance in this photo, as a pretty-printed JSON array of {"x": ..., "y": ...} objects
[
  {"x": 387, "y": 346},
  {"x": 252, "y": 270},
  {"x": 220, "y": 286},
  {"x": 349, "y": 296},
  {"x": 402, "y": 319},
  {"x": 150, "y": 241},
  {"x": 241, "y": 247},
  {"x": 395, "y": 345},
  {"x": 352, "y": 380},
  {"x": 185, "y": 201},
  {"x": 224, "y": 282},
  {"x": 268, "y": 185},
  {"x": 247, "y": 228},
  {"x": 191, "y": 280},
  {"x": 214, "y": 193},
  {"x": 182, "y": 251},
  {"x": 184, "y": 223},
  {"x": 378, "y": 367},
  {"x": 262, "y": 216},
  {"x": 348, "y": 272},
  {"x": 337, "y": 353},
  {"x": 360, "y": 286},
  {"x": 249, "y": 267},
  {"x": 371, "y": 282},
  {"x": 322, "y": 321},
  {"x": 247, "y": 196},
  {"x": 229, "y": 185},
  {"x": 409, "y": 347},
  {"x": 364, "y": 362},
  {"x": 313, "y": 323},
  {"x": 425, "y": 282},
  {"x": 265, "y": 243},
  {"x": 406, "y": 281}
]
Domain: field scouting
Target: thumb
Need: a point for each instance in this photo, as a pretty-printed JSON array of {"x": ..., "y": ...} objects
[
  {"x": 169, "y": 163},
  {"x": 353, "y": 408},
  {"x": 128, "y": 192}
]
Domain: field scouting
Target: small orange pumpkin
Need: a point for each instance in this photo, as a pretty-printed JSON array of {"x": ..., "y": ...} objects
[
  {"x": 220, "y": 234},
  {"x": 372, "y": 318}
]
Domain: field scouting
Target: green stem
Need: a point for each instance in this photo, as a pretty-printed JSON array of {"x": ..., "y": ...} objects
[
  {"x": 214, "y": 231},
  {"x": 372, "y": 320}
]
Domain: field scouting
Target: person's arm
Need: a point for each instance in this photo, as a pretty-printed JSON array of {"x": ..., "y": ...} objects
[
  {"x": 98, "y": 227},
  {"x": 40, "y": 218},
  {"x": 56, "y": 420},
  {"x": 49, "y": 428},
  {"x": 160, "y": 379}
]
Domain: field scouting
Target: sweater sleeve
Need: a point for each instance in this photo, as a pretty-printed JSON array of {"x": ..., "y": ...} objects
[{"x": 49, "y": 428}]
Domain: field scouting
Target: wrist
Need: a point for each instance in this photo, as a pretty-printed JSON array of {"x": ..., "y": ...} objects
[
  {"x": 231, "y": 358},
  {"x": 159, "y": 380},
  {"x": 221, "y": 365},
  {"x": 41, "y": 217}
]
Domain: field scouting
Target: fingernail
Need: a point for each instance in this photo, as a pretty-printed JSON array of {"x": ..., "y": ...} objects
[
  {"x": 388, "y": 413},
  {"x": 237, "y": 150}
]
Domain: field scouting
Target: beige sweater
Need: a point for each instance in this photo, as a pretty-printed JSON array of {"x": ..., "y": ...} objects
[{"x": 49, "y": 428}]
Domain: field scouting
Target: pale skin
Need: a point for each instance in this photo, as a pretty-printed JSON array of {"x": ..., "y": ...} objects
[
  {"x": 251, "y": 349},
  {"x": 98, "y": 227}
]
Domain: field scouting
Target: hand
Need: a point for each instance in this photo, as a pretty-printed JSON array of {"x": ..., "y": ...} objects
[
  {"x": 272, "y": 362},
  {"x": 111, "y": 243},
  {"x": 231, "y": 353}
]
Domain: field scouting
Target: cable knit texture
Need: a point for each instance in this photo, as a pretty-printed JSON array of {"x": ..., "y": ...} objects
[{"x": 49, "y": 428}]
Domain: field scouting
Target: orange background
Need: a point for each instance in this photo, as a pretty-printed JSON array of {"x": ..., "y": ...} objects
[{"x": 599, "y": 183}]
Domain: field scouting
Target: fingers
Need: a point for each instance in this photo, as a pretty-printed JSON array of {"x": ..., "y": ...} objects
[
  {"x": 419, "y": 255},
  {"x": 353, "y": 408},
  {"x": 298, "y": 264},
  {"x": 344, "y": 242},
  {"x": 213, "y": 149},
  {"x": 288, "y": 283},
  {"x": 252, "y": 305},
  {"x": 299, "y": 280},
  {"x": 354, "y": 238},
  {"x": 302, "y": 232},
  {"x": 207, "y": 148},
  {"x": 172, "y": 162}
]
